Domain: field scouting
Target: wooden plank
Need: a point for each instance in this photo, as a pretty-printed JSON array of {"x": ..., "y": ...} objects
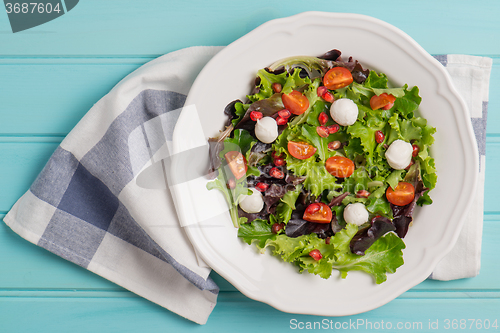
[
  {"x": 492, "y": 183},
  {"x": 51, "y": 96},
  {"x": 156, "y": 27},
  {"x": 24, "y": 265},
  {"x": 62, "y": 90},
  {"x": 24, "y": 157},
  {"x": 493, "y": 126},
  {"x": 65, "y": 314},
  {"x": 21, "y": 162},
  {"x": 52, "y": 74},
  {"x": 31, "y": 267}
]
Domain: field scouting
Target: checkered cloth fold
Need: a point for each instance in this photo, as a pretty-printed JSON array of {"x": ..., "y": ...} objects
[{"x": 90, "y": 205}]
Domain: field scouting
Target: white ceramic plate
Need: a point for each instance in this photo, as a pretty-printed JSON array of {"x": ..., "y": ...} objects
[{"x": 379, "y": 46}]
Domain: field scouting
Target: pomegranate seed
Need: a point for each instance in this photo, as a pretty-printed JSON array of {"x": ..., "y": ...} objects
[
  {"x": 328, "y": 96},
  {"x": 327, "y": 240},
  {"x": 276, "y": 173},
  {"x": 322, "y": 118},
  {"x": 415, "y": 151},
  {"x": 322, "y": 131},
  {"x": 261, "y": 187},
  {"x": 231, "y": 183},
  {"x": 409, "y": 165},
  {"x": 334, "y": 145},
  {"x": 321, "y": 91},
  {"x": 284, "y": 114},
  {"x": 279, "y": 162},
  {"x": 379, "y": 136},
  {"x": 313, "y": 208},
  {"x": 255, "y": 115},
  {"x": 362, "y": 194},
  {"x": 275, "y": 155},
  {"x": 276, "y": 87},
  {"x": 281, "y": 120},
  {"x": 277, "y": 227},
  {"x": 316, "y": 255},
  {"x": 333, "y": 128}
]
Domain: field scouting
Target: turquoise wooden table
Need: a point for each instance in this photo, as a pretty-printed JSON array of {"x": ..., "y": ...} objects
[{"x": 52, "y": 74}]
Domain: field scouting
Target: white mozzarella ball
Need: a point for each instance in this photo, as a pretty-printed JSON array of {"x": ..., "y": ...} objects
[
  {"x": 266, "y": 129},
  {"x": 252, "y": 203},
  {"x": 356, "y": 213},
  {"x": 398, "y": 154},
  {"x": 344, "y": 111}
]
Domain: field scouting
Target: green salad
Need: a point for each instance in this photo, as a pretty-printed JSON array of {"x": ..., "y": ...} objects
[{"x": 324, "y": 164}]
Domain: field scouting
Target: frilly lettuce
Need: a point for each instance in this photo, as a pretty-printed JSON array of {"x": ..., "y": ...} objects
[
  {"x": 358, "y": 143},
  {"x": 383, "y": 257}
]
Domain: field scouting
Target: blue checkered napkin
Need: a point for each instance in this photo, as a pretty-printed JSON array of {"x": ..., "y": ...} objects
[
  {"x": 88, "y": 207},
  {"x": 471, "y": 77}
]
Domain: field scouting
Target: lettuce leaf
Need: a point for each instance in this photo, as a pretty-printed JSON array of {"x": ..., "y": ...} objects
[
  {"x": 287, "y": 205},
  {"x": 409, "y": 103},
  {"x": 318, "y": 179},
  {"x": 384, "y": 256},
  {"x": 377, "y": 204},
  {"x": 258, "y": 231},
  {"x": 358, "y": 141},
  {"x": 232, "y": 196},
  {"x": 365, "y": 131},
  {"x": 265, "y": 86},
  {"x": 241, "y": 141},
  {"x": 375, "y": 80}
]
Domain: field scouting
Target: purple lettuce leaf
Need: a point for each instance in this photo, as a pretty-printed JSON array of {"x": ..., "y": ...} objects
[
  {"x": 365, "y": 237},
  {"x": 299, "y": 227}
]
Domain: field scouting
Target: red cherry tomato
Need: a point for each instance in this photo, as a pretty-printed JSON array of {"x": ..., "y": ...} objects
[
  {"x": 319, "y": 213},
  {"x": 337, "y": 77},
  {"x": 295, "y": 102},
  {"x": 237, "y": 163},
  {"x": 382, "y": 101},
  {"x": 402, "y": 195},
  {"x": 301, "y": 150},
  {"x": 339, "y": 166}
]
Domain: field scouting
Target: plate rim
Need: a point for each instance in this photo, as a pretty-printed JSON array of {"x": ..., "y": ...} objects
[{"x": 466, "y": 127}]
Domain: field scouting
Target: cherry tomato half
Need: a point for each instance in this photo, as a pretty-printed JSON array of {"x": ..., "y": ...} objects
[
  {"x": 339, "y": 166},
  {"x": 402, "y": 195},
  {"x": 295, "y": 102},
  {"x": 301, "y": 150},
  {"x": 237, "y": 163},
  {"x": 383, "y": 101},
  {"x": 319, "y": 213},
  {"x": 337, "y": 77}
]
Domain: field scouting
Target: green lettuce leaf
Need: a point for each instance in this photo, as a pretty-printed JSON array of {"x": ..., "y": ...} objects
[
  {"x": 258, "y": 231},
  {"x": 377, "y": 204},
  {"x": 288, "y": 248},
  {"x": 317, "y": 178},
  {"x": 241, "y": 141},
  {"x": 409, "y": 103},
  {"x": 375, "y": 80},
  {"x": 232, "y": 196},
  {"x": 265, "y": 87},
  {"x": 240, "y": 110},
  {"x": 384, "y": 256},
  {"x": 365, "y": 131},
  {"x": 287, "y": 205}
]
